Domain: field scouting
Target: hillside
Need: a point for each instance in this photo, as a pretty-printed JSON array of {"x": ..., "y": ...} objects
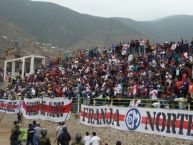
[
  {"x": 10, "y": 32},
  {"x": 169, "y": 28},
  {"x": 64, "y": 27}
]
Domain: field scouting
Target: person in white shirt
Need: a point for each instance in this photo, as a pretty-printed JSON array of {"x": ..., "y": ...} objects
[
  {"x": 168, "y": 77},
  {"x": 95, "y": 140},
  {"x": 33, "y": 91},
  {"x": 173, "y": 47},
  {"x": 130, "y": 58},
  {"x": 87, "y": 139},
  {"x": 153, "y": 94}
]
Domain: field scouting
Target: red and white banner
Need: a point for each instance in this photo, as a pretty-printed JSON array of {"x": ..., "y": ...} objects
[
  {"x": 10, "y": 106},
  {"x": 170, "y": 123},
  {"x": 52, "y": 109}
]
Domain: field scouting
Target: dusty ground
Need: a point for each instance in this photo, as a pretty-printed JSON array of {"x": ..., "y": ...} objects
[{"x": 107, "y": 135}]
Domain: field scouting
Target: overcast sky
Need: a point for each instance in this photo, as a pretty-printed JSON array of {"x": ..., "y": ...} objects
[{"x": 134, "y": 9}]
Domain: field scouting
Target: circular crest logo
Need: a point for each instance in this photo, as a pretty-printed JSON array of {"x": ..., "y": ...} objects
[{"x": 133, "y": 119}]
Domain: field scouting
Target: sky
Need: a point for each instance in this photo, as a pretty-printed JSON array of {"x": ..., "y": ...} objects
[{"x": 141, "y": 10}]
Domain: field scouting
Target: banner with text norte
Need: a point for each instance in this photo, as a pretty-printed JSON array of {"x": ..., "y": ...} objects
[
  {"x": 170, "y": 123},
  {"x": 52, "y": 109}
]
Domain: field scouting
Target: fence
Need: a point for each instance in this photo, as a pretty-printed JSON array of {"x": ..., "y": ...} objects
[
  {"x": 75, "y": 105},
  {"x": 179, "y": 103}
]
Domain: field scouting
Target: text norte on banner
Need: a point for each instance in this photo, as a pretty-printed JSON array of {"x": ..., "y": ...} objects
[{"x": 170, "y": 123}]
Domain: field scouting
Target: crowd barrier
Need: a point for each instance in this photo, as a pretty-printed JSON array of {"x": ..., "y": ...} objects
[
  {"x": 179, "y": 103},
  {"x": 75, "y": 105}
]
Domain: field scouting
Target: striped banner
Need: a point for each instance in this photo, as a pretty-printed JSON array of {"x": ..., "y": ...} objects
[
  {"x": 10, "y": 106},
  {"x": 170, "y": 123},
  {"x": 52, "y": 109}
]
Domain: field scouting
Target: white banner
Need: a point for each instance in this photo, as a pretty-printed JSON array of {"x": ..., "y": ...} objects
[
  {"x": 10, "y": 106},
  {"x": 170, "y": 123},
  {"x": 52, "y": 109}
]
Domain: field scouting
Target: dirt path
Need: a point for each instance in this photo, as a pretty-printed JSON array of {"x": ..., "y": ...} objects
[
  {"x": 5, "y": 131},
  {"x": 4, "y": 134}
]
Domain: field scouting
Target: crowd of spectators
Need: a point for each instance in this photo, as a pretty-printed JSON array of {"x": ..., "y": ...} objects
[{"x": 137, "y": 69}]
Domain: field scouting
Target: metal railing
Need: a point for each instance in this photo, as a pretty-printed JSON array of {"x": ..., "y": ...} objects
[{"x": 181, "y": 104}]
